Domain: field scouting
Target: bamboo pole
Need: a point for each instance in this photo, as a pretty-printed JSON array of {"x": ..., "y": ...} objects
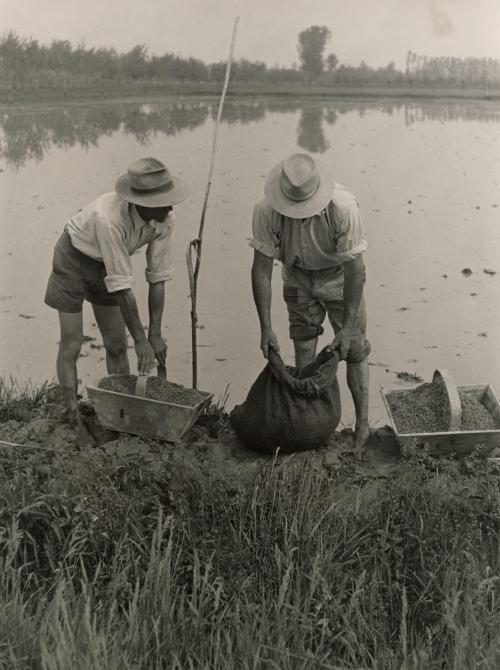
[{"x": 195, "y": 246}]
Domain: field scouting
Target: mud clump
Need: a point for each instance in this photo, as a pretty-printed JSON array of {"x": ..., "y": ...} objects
[
  {"x": 425, "y": 409},
  {"x": 156, "y": 389}
]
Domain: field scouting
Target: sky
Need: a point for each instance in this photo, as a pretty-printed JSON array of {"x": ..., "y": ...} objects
[{"x": 376, "y": 31}]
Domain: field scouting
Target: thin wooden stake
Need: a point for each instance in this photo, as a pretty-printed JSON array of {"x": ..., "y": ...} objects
[{"x": 193, "y": 253}]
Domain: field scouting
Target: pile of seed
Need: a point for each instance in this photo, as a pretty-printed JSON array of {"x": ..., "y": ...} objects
[
  {"x": 156, "y": 389},
  {"x": 475, "y": 416},
  {"x": 426, "y": 409}
]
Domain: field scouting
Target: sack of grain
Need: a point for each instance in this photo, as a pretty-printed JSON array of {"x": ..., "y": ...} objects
[{"x": 290, "y": 408}]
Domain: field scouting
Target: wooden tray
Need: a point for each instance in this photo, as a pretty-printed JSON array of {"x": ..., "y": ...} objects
[
  {"x": 144, "y": 416},
  {"x": 459, "y": 442},
  {"x": 453, "y": 412}
]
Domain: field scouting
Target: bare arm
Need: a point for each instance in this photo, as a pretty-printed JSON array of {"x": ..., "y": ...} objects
[
  {"x": 128, "y": 307},
  {"x": 156, "y": 302},
  {"x": 262, "y": 271},
  {"x": 354, "y": 280}
]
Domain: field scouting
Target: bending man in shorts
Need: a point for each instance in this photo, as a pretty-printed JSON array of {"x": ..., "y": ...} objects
[
  {"x": 312, "y": 225},
  {"x": 92, "y": 262}
]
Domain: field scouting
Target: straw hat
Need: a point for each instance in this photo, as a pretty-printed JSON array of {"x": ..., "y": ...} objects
[
  {"x": 299, "y": 186},
  {"x": 149, "y": 183}
]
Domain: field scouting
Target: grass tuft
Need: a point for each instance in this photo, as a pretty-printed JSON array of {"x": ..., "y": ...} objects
[{"x": 102, "y": 565}]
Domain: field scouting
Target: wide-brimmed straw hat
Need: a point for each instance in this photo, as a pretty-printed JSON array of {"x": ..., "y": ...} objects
[
  {"x": 299, "y": 186},
  {"x": 149, "y": 183}
]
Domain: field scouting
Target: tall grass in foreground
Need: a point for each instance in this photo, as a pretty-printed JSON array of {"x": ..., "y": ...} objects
[{"x": 289, "y": 575}]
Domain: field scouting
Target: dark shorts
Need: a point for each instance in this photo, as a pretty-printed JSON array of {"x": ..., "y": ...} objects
[
  {"x": 312, "y": 295},
  {"x": 75, "y": 277}
]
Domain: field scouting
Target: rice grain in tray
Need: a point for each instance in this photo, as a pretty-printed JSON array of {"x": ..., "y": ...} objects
[
  {"x": 156, "y": 389},
  {"x": 425, "y": 410},
  {"x": 475, "y": 416}
]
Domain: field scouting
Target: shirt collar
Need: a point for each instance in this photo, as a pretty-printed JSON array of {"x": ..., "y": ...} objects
[{"x": 137, "y": 220}]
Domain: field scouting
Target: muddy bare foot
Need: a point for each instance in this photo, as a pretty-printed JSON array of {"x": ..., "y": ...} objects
[
  {"x": 84, "y": 436},
  {"x": 361, "y": 439}
]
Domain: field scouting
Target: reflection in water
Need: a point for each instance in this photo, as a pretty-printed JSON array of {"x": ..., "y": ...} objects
[
  {"x": 144, "y": 120},
  {"x": 310, "y": 135},
  {"x": 29, "y": 135},
  {"x": 456, "y": 111},
  {"x": 241, "y": 111}
]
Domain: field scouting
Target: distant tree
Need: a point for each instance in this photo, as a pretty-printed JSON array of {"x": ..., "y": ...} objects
[
  {"x": 12, "y": 48},
  {"x": 331, "y": 62},
  {"x": 134, "y": 62},
  {"x": 312, "y": 43}
]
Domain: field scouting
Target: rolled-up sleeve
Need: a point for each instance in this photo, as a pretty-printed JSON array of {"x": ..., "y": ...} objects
[
  {"x": 349, "y": 237},
  {"x": 159, "y": 257},
  {"x": 263, "y": 240},
  {"x": 114, "y": 252}
]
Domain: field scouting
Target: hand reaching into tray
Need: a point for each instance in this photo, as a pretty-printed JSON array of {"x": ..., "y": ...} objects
[
  {"x": 145, "y": 356},
  {"x": 159, "y": 347}
]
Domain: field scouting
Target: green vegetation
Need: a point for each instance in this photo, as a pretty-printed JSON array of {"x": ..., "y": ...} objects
[
  {"x": 107, "y": 564},
  {"x": 27, "y": 65},
  {"x": 312, "y": 44}
]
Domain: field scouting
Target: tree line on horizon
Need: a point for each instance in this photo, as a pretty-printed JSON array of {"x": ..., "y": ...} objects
[{"x": 25, "y": 63}]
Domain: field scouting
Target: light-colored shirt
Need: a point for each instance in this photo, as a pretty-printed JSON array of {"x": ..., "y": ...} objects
[
  {"x": 110, "y": 230},
  {"x": 325, "y": 240}
]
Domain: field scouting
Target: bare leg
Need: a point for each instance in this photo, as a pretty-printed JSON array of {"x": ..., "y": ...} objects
[
  {"x": 69, "y": 350},
  {"x": 305, "y": 351},
  {"x": 357, "y": 381},
  {"x": 112, "y": 327}
]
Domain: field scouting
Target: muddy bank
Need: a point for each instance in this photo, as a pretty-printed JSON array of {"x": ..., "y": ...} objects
[
  {"x": 142, "y": 92},
  {"x": 210, "y": 451},
  {"x": 35, "y": 434}
]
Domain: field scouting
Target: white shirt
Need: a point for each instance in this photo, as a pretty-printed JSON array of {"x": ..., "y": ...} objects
[
  {"x": 110, "y": 230},
  {"x": 326, "y": 240}
]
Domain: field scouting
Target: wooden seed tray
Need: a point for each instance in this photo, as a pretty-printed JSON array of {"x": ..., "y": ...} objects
[
  {"x": 144, "y": 416},
  {"x": 454, "y": 441}
]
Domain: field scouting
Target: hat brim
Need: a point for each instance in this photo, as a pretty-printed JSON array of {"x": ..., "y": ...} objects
[
  {"x": 299, "y": 209},
  {"x": 172, "y": 194}
]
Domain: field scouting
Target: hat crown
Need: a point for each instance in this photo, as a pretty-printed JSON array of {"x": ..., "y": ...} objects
[
  {"x": 148, "y": 174},
  {"x": 148, "y": 183},
  {"x": 300, "y": 177}
]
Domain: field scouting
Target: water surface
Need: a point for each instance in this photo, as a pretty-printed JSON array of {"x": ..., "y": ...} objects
[{"x": 426, "y": 176}]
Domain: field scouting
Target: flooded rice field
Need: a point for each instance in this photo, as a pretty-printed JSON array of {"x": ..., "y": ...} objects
[{"x": 426, "y": 175}]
